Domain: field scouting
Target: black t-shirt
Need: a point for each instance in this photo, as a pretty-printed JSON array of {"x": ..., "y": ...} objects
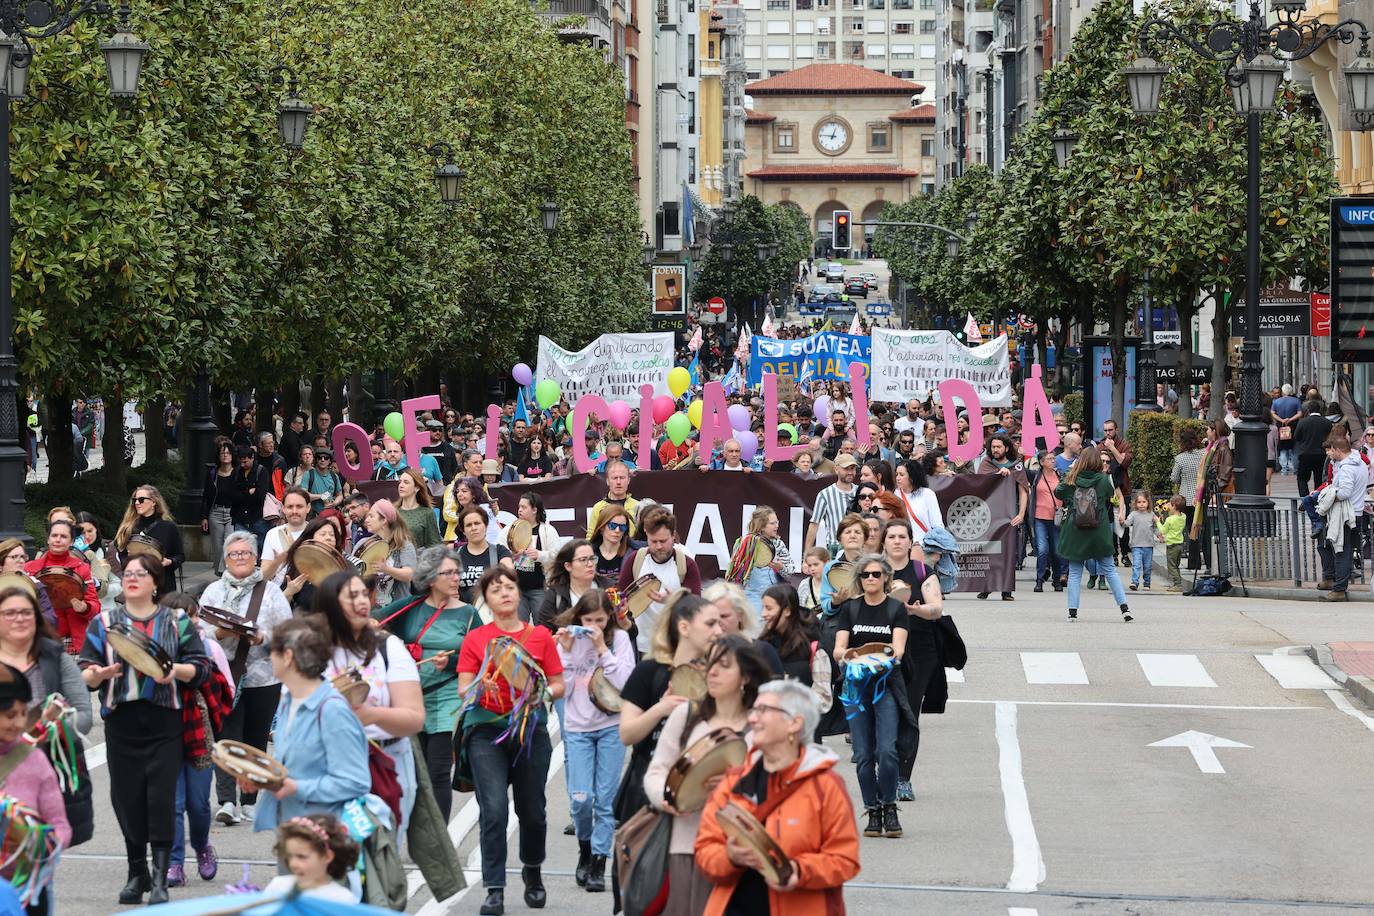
[
  {"x": 473, "y": 565},
  {"x": 535, "y": 468},
  {"x": 645, "y": 687},
  {"x": 531, "y": 580},
  {"x": 867, "y": 623},
  {"x": 610, "y": 568},
  {"x": 920, "y": 632}
]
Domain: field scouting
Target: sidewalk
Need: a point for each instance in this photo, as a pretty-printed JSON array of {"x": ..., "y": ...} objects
[{"x": 1351, "y": 664}]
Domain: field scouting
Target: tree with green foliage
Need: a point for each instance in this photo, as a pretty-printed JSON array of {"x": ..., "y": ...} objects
[{"x": 745, "y": 279}]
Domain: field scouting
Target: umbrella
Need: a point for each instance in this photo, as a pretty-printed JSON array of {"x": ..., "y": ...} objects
[{"x": 261, "y": 904}]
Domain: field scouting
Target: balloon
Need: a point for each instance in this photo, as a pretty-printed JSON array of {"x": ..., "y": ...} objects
[
  {"x": 522, "y": 375},
  {"x": 395, "y": 426},
  {"x": 619, "y": 414},
  {"x": 679, "y": 380},
  {"x": 678, "y": 427},
  {"x": 694, "y": 413},
  {"x": 791, "y": 431},
  {"x": 663, "y": 409},
  {"x": 822, "y": 408},
  {"x": 546, "y": 393},
  {"x": 748, "y": 445},
  {"x": 739, "y": 416}
]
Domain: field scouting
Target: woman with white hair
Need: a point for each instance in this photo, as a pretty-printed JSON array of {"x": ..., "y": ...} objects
[
  {"x": 785, "y": 780},
  {"x": 737, "y": 616},
  {"x": 242, "y": 590}
]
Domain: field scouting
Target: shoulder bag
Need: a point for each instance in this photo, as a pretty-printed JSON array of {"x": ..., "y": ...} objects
[{"x": 239, "y": 663}]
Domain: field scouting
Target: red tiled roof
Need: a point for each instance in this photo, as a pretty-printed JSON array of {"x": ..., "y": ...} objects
[
  {"x": 830, "y": 171},
  {"x": 757, "y": 117},
  {"x": 833, "y": 79},
  {"x": 922, "y": 114}
]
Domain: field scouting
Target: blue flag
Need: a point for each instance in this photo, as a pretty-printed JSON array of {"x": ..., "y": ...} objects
[
  {"x": 731, "y": 383},
  {"x": 694, "y": 373},
  {"x": 520, "y": 412}
]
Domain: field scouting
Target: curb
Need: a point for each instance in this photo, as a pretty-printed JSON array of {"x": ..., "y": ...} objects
[
  {"x": 1292, "y": 594},
  {"x": 1362, "y": 688}
]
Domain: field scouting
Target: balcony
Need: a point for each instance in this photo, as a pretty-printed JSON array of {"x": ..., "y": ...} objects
[{"x": 590, "y": 20}]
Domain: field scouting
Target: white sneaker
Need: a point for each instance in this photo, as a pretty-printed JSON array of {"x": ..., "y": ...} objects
[
  {"x": 247, "y": 812},
  {"x": 227, "y": 816}
]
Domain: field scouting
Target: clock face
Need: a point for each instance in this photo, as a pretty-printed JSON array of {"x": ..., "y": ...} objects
[{"x": 832, "y": 136}]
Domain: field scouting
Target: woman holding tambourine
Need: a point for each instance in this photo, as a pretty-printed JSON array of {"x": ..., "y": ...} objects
[
  {"x": 136, "y": 657},
  {"x": 148, "y": 528}
]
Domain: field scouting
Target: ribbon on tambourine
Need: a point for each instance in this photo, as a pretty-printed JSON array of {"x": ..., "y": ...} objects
[
  {"x": 859, "y": 673},
  {"x": 28, "y": 850},
  {"x": 56, "y": 730}
]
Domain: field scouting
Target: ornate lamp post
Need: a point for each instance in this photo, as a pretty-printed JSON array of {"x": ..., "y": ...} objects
[{"x": 1253, "y": 71}]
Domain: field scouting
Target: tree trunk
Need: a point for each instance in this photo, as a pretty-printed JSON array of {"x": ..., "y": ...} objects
[
  {"x": 316, "y": 398},
  {"x": 1061, "y": 366},
  {"x": 334, "y": 388},
  {"x": 358, "y": 410},
  {"x": 263, "y": 399},
  {"x": 154, "y": 433},
  {"x": 291, "y": 399},
  {"x": 58, "y": 432},
  {"x": 1117, "y": 332},
  {"x": 116, "y": 472},
  {"x": 219, "y": 407},
  {"x": 1221, "y": 341},
  {"x": 1186, "y": 311},
  {"x": 1042, "y": 353}
]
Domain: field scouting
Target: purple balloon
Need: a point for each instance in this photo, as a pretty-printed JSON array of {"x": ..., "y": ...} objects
[
  {"x": 748, "y": 445},
  {"x": 739, "y": 416},
  {"x": 522, "y": 374},
  {"x": 822, "y": 408}
]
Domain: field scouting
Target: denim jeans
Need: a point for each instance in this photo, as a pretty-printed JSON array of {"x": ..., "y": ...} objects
[
  {"x": 1105, "y": 567},
  {"x": 1142, "y": 561},
  {"x": 193, "y": 800},
  {"x": 1338, "y": 566},
  {"x": 594, "y": 760},
  {"x": 221, "y": 525},
  {"x": 1047, "y": 552},
  {"x": 1288, "y": 460},
  {"x": 502, "y": 773},
  {"x": 874, "y": 730}
]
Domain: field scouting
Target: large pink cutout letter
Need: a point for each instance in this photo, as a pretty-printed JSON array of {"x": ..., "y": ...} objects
[
  {"x": 342, "y": 435},
  {"x": 715, "y": 420},
  {"x": 957, "y": 388},
  {"x": 586, "y": 405},
  {"x": 493, "y": 430},
  {"x": 858, "y": 393},
  {"x": 411, "y": 408},
  {"x": 1038, "y": 419},
  {"x": 772, "y": 449},
  {"x": 646, "y": 426}
]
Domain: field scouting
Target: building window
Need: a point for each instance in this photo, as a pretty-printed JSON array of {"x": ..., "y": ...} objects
[
  {"x": 856, "y": 26},
  {"x": 773, "y": 73},
  {"x": 877, "y": 50},
  {"x": 784, "y": 138},
  {"x": 904, "y": 74},
  {"x": 751, "y": 74},
  {"x": 823, "y": 25},
  {"x": 691, "y": 165},
  {"x": 805, "y": 52},
  {"x": 903, "y": 52},
  {"x": 691, "y": 55},
  {"x": 778, "y": 26},
  {"x": 928, "y": 188},
  {"x": 876, "y": 26},
  {"x": 779, "y": 52},
  {"x": 753, "y": 52},
  {"x": 879, "y": 137},
  {"x": 671, "y": 216},
  {"x": 856, "y": 4},
  {"x": 927, "y": 26},
  {"x": 927, "y": 52},
  {"x": 854, "y": 50},
  {"x": 822, "y": 4},
  {"x": 691, "y": 112},
  {"x": 711, "y": 50},
  {"x": 691, "y": 6},
  {"x": 803, "y": 4},
  {"x": 927, "y": 4},
  {"x": 804, "y": 26},
  {"x": 877, "y": 4},
  {"x": 825, "y": 50},
  {"x": 901, "y": 4},
  {"x": 927, "y": 146},
  {"x": 779, "y": 6},
  {"x": 903, "y": 28}
]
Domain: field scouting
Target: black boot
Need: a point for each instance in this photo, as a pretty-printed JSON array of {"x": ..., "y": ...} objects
[
  {"x": 535, "y": 896},
  {"x": 139, "y": 881},
  {"x": 162, "y": 859},
  {"x": 584, "y": 859},
  {"x": 596, "y": 877},
  {"x": 874, "y": 827},
  {"x": 495, "y": 904},
  {"x": 891, "y": 826}
]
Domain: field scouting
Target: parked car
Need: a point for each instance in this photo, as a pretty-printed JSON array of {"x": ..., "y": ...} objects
[{"x": 856, "y": 286}]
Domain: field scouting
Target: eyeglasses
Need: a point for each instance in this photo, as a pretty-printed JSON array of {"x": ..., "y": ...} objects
[
  {"x": 865, "y": 496},
  {"x": 240, "y": 555},
  {"x": 140, "y": 500},
  {"x": 137, "y": 574},
  {"x": 872, "y": 574},
  {"x": 762, "y": 708},
  {"x": 591, "y": 559},
  {"x": 619, "y": 526},
  {"x": 16, "y": 615},
  {"x": 449, "y": 572}
]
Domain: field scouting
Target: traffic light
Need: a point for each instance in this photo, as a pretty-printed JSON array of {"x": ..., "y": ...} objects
[{"x": 840, "y": 230}]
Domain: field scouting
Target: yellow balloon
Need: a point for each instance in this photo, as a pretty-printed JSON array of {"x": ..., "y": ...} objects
[
  {"x": 694, "y": 413},
  {"x": 679, "y": 379}
]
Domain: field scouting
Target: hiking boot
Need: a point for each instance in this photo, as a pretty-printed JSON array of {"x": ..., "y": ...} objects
[
  {"x": 1337, "y": 596},
  {"x": 1126, "y": 613},
  {"x": 176, "y": 876},
  {"x": 891, "y": 826},
  {"x": 584, "y": 861},
  {"x": 874, "y": 827},
  {"x": 596, "y": 875}
]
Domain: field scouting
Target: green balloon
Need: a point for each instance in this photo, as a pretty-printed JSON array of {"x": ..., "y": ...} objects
[
  {"x": 395, "y": 427},
  {"x": 790, "y": 430},
  {"x": 678, "y": 428},
  {"x": 546, "y": 393}
]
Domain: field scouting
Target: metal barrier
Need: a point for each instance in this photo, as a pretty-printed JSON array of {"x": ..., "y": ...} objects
[{"x": 1273, "y": 544}]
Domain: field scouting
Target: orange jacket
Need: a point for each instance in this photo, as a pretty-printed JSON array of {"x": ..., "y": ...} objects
[{"x": 814, "y": 825}]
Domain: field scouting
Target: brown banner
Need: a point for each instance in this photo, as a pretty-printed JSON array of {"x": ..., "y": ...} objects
[{"x": 713, "y": 509}]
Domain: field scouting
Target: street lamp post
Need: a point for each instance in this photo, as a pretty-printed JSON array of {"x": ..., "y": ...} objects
[
  {"x": 22, "y": 24},
  {"x": 1254, "y": 73}
]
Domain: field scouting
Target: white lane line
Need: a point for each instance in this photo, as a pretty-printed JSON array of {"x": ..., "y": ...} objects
[
  {"x": 1296, "y": 672},
  {"x": 1143, "y": 705},
  {"x": 95, "y": 756},
  {"x": 1027, "y": 865},
  {"x": 472, "y": 870},
  {"x": 1344, "y": 705},
  {"x": 1174, "y": 671},
  {"x": 1022, "y": 911},
  {"x": 1053, "y": 668},
  {"x": 954, "y": 676}
]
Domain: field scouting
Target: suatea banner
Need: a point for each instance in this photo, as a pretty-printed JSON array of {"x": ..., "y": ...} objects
[
  {"x": 911, "y": 364},
  {"x": 825, "y": 356}
]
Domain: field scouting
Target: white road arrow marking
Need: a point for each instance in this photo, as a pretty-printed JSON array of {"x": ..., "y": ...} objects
[{"x": 1200, "y": 744}]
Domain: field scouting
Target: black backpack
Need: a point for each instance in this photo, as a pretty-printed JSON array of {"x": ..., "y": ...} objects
[{"x": 1086, "y": 513}]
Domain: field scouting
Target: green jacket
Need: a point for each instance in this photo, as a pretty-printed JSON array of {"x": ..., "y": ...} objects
[
  {"x": 1081, "y": 544},
  {"x": 427, "y": 838}
]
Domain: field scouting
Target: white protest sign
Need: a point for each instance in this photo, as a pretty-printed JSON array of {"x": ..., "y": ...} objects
[
  {"x": 907, "y": 364},
  {"x": 613, "y": 366}
]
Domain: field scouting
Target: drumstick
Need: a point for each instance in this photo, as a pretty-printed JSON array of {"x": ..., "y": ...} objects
[{"x": 435, "y": 657}]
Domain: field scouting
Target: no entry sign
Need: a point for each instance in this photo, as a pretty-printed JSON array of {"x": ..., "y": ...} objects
[{"x": 715, "y": 305}]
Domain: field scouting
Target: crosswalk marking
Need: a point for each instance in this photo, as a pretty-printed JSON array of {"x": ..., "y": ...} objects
[
  {"x": 1053, "y": 668},
  {"x": 1174, "y": 671},
  {"x": 1296, "y": 672}
]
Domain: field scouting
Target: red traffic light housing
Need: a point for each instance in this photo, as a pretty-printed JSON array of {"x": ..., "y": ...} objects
[{"x": 840, "y": 230}]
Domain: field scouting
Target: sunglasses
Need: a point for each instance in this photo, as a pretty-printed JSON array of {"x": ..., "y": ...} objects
[
  {"x": 140, "y": 500},
  {"x": 619, "y": 526},
  {"x": 872, "y": 574}
]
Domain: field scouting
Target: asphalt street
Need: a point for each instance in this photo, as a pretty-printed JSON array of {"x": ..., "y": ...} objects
[{"x": 1183, "y": 763}]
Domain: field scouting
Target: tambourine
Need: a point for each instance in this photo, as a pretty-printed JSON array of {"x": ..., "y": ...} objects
[
  {"x": 519, "y": 535},
  {"x": 636, "y": 597},
  {"x": 29, "y": 847},
  {"x": 688, "y": 681},
  {"x": 134, "y": 647},
  {"x": 316, "y": 561},
  {"x": 901, "y": 591},
  {"x": 64, "y": 586},
  {"x": 707, "y": 757},
  {"x": 763, "y": 554},
  {"x": 141, "y": 545},
  {"x": 745, "y": 829},
  {"x": 511, "y": 661},
  {"x": 350, "y": 683},
  {"x": 873, "y": 654},
  {"x": 228, "y": 620},
  {"x": 841, "y": 576},
  {"x": 21, "y": 582},
  {"x": 604, "y": 695},
  {"x": 248, "y": 764},
  {"x": 369, "y": 554}
]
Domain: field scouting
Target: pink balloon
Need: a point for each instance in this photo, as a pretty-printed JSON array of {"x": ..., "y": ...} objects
[
  {"x": 663, "y": 408},
  {"x": 748, "y": 445},
  {"x": 619, "y": 414},
  {"x": 739, "y": 416}
]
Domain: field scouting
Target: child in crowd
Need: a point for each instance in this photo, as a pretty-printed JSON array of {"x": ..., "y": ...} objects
[
  {"x": 1140, "y": 525},
  {"x": 318, "y": 853},
  {"x": 1171, "y": 530},
  {"x": 813, "y": 565}
]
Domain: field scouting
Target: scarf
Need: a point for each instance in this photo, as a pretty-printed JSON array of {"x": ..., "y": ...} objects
[
  {"x": 238, "y": 589},
  {"x": 1200, "y": 509}
]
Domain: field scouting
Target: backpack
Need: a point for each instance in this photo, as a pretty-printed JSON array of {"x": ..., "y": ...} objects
[
  {"x": 641, "y": 861},
  {"x": 1086, "y": 513}
]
